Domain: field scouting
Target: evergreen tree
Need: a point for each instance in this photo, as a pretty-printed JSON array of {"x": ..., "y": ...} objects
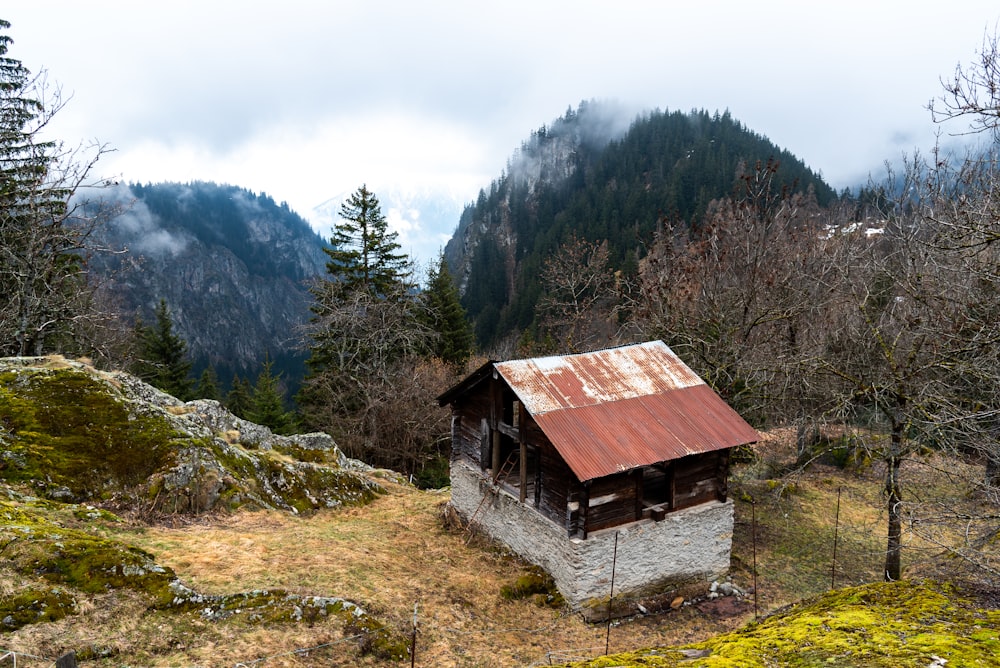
[
  {"x": 45, "y": 299},
  {"x": 239, "y": 397},
  {"x": 267, "y": 402},
  {"x": 365, "y": 254},
  {"x": 367, "y": 335},
  {"x": 208, "y": 385},
  {"x": 163, "y": 354},
  {"x": 445, "y": 316}
]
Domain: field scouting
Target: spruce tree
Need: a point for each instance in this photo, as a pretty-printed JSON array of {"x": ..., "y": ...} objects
[
  {"x": 267, "y": 402},
  {"x": 238, "y": 399},
  {"x": 367, "y": 334},
  {"x": 365, "y": 254},
  {"x": 444, "y": 315},
  {"x": 164, "y": 361},
  {"x": 208, "y": 385}
]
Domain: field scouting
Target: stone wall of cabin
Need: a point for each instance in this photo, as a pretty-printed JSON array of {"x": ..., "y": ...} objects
[{"x": 687, "y": 546}]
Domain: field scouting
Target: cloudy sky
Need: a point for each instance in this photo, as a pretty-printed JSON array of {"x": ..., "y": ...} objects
[{"x": 307, "y": 100}]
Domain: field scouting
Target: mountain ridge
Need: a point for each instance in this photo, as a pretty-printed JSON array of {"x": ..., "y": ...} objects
[{"x": 564, "y": 181}]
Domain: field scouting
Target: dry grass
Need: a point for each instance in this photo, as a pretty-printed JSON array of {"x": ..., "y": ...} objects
[{"x": 397, "y": 552}]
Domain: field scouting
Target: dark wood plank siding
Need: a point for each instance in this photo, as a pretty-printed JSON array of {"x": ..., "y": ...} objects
[
  {"x": 557, "y": 482},
  {"x": 613, "y": 500},
  {"x": 467, "y": 441},
  {"x": 700, "y": 478}
]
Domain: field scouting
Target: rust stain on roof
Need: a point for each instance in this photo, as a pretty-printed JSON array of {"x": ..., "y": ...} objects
[
  {"x": 618, "y": 409},
  {"x": 573, "y": 381}
]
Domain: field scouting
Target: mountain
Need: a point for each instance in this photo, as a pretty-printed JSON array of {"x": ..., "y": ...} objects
[
  {"x": 589, "y": 176},
  {"x": 233, "y": 267}
]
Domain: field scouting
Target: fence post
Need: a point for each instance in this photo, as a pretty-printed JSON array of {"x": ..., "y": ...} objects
[
  {"x": 413, "y": 639},
  {"x": 614, "y": 563},
  {"x": 753, "y": 540},
  {"x": 836, "y": 530}
]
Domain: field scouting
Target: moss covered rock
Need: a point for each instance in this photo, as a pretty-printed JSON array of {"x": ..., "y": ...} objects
[
  {"x": 35, "y": 605},
  {"x": 897, "y": 624},
  {"x": 72, "y": 433},
  {"x": 36, "y": 545}
]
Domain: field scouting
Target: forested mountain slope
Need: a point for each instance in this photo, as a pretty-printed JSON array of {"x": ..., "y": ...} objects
[
  {"x": 588, "y": 177},
  {"x": 232, "y": 265}
]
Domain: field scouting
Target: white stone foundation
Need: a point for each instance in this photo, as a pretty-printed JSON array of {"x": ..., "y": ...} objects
[{"x": 687, "y": 546}]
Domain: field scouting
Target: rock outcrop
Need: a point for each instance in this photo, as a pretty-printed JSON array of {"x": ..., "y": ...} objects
[{"x": 72, "y": 433}]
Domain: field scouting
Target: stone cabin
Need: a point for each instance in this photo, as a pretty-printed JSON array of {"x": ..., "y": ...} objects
[{"x": 564, "y": 458}]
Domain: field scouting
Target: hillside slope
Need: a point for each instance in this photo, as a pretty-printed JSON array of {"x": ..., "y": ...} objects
[
  {"x": 233, "y": 267},
  {"x": 589, "y": 177},
  {"x": 95, "y": 563},
  {"x": 892, "y": 625}
]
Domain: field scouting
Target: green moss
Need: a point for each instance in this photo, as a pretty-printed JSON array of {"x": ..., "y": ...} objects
[
  {"x": 535, "y": 584},
  {"x": 32, "y": 606},
  {"x": 65, "y": 428},
  {"x": 896, "y": 624},
  {"x": 277, "y": 606},
  {"x": 36, "y": 546},
  {"x": 72, "y": 434}
]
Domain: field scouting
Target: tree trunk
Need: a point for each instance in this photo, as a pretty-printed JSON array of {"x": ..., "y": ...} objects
[{"x": 893, "y": 550}]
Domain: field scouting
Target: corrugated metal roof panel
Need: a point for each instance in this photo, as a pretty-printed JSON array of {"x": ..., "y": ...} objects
[
  {"x": 572, "y": 381},
  {"x": 618, "y": 409},
  {"x": 603, "y": 439}
]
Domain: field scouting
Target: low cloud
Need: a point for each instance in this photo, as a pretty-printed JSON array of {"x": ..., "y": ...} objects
[{"x": 141, "y": 231}]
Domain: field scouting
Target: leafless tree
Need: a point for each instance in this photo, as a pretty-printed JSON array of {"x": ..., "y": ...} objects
[
  {"x": 904, "y": 344},
  {"x": 865, "y": 319},
  {"x": 577, "y": 309},
  {"x": 728, "y": 296},
  {"x": 373, "y": 381},
  {"x": 973, "y": 92},
  {"x": 46, "y": 223}
]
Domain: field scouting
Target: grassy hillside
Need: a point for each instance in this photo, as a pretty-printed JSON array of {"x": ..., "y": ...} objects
[{"x": 338, "y": 586}]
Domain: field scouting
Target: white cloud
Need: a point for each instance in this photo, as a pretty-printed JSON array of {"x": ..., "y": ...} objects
[{"x": 304, "y": 100}]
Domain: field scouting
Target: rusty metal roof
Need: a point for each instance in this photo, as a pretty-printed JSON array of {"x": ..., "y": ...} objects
[{"x": 614, "y": 410}]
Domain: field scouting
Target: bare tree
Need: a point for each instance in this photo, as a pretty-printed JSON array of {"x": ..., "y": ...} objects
[
  {"x": 577, "y": 309},
  {"x": 728, "y": 296},
  {"x": 855, "y": 318},
  {"x": 967, "y": 219},
  {"x": 973, "y": 92},
  {"x": 45, "y": 222},
  {"x": 904, "y": 344},
  {"x": 368, "y": 386}
]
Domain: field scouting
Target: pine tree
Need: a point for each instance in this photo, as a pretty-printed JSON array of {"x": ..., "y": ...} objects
[
  {"x": 163, "y": 354},
  {"x": 445, "y": 316},
  {"x": 267, "y": 402},
  {"x": 368, "y": 288},
  {"x": 366, "y": 333},
  {"x": 239, "y": 398},
  {"x": 365, "y": 254},
  {"x": 208, "y": 385}
]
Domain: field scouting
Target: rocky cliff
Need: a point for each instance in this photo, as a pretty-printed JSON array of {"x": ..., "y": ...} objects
[{"x": 233, "y": 266}]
